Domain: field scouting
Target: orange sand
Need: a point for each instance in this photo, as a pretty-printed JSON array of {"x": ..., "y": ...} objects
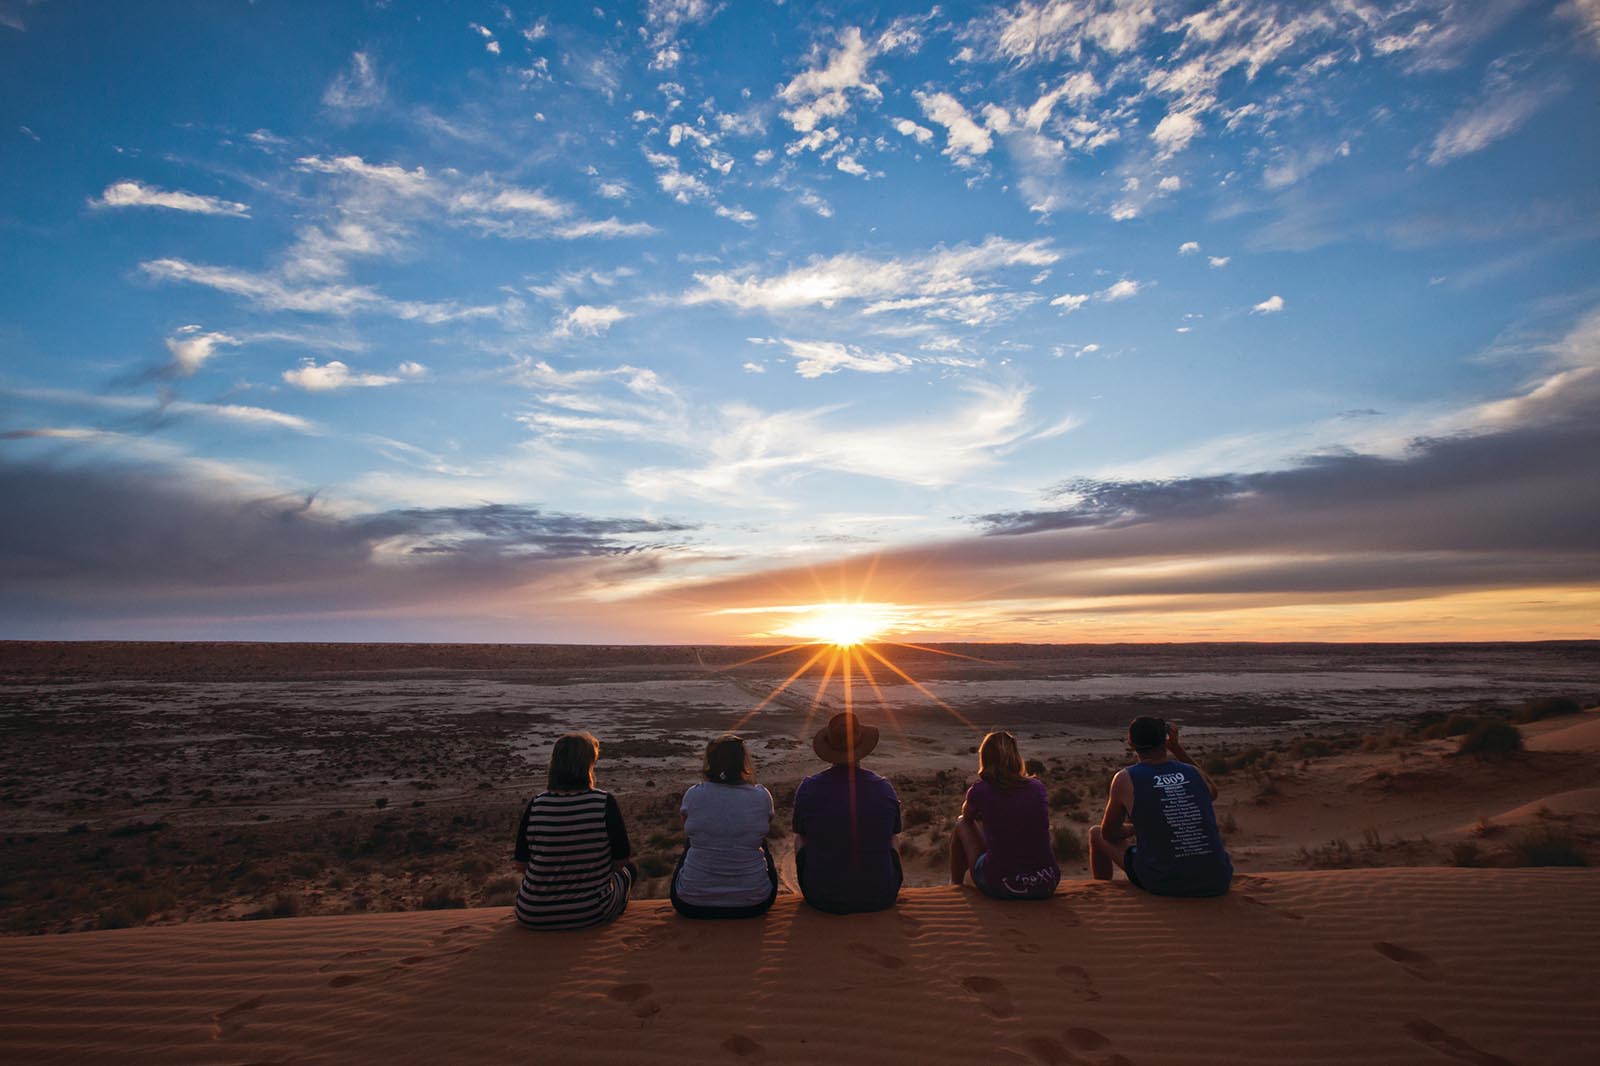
[{"x": 1396, "y": 966}]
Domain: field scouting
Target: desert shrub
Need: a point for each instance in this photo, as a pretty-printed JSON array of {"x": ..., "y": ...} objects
[
  {"x": 918, "y": 814},
  {"x": 656, "y": 865},
  {"x": 381, "y": 802},
  {"x": 1064, "y": 797},
  {"x": 1453, "y": 725},
  {"x": 1310, "y": 748},
  {"x": 115, "y": 918},
  {"x": 442, "y": 898},
  {"x": 474, "y": 866},
  {"x": 500, "y": 891},
  {"x": 1229, "y": 823},
  {"x": 1547, "y": 707},
  {"x": 284, "y": 905},
  {"x": 1215, "y": 765},
  {"x": 137, "y": 828},
  {"x": 1466, "y": 853},
  {"x": 1491, "y": 737},
  {"x": 1035, "y": 767},
  {"x": 1068, "y": 844},
  {"x": 1335, "y": 854},
  {"x": 1389, "y": 738},
  {"x": 1549, "y": 846},
  {"x": 143, "y": 904}
]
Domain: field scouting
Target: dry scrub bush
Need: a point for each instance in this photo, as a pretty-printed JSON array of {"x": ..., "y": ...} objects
[
  {"x": 1549, "y": 846},
  {"x": 1491, "y": 737},
  {"x": 1068, "y": 843}
]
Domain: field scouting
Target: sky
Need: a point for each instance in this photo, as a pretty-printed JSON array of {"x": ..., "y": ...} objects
[{"x": 666, "y": 322}]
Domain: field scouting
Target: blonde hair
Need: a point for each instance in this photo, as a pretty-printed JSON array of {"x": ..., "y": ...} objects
[
  {"x": 572, "y": 762},
  {"x": 999, "y": 761}
]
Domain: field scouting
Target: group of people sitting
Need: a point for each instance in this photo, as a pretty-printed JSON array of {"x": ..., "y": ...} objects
[{"x": 1159, "y": 827}]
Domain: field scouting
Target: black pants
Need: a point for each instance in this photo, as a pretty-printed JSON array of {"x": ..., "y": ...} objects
[
  {"x": 830, "y": 906},
  {"x": 755, "y": 910}
]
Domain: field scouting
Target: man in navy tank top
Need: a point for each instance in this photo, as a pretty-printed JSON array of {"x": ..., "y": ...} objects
[{"x": 1159, "y": 824}]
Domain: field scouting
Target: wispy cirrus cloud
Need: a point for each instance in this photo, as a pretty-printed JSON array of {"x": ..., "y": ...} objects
[
  {"x": 138, "y": 194},
  {"x": 957, "y": 283}
]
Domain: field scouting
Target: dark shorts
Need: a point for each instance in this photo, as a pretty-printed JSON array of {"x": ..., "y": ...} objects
[
  {"x": 1042, "y": 887},
  {"x": 846, "y": 906},
  {"x": 754, "y": 910},
  {"x": 1129, "y": 868}
]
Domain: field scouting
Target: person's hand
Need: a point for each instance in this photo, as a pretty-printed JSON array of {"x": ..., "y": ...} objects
[{"x": 1172, "y": 734}]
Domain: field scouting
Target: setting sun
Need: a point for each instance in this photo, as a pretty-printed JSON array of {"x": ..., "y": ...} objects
[{"x": 840, "y": 624}]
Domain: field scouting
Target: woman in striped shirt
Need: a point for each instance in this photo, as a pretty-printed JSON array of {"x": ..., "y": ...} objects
[{"x": 574, "y": 844}]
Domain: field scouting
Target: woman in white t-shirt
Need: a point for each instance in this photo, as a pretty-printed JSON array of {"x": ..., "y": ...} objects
[{"x": 726, "y": 870}]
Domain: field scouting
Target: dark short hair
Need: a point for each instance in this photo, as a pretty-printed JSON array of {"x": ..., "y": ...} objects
[
  {"x": 572, "y": 762},
  {"x": 727, "y": 761},
  {"x": 1147, "y": 733}
]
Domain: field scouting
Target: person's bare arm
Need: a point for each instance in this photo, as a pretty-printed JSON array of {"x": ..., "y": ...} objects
[
  {"x": 1119, "y": 804},
  {"x": 1177, "y": 752}
]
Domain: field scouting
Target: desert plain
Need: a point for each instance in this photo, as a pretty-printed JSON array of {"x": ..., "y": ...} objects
[{"x": 302, "y": 853}]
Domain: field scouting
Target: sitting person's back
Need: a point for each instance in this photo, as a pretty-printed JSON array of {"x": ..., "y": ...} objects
[
  {"x": 726, "y": 870},
  {"x": 845, "y": 822},
  {"x": 1177, "y": 848},
  {"x": 573, "y": 845},
  {"x": 1003, "y": 835}
]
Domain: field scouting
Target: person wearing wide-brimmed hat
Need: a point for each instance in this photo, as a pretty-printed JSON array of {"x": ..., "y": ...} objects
[{"x": 845, "y": 822}]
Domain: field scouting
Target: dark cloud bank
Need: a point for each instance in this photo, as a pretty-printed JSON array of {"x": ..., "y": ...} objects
[{"x": 94, "y": 541}]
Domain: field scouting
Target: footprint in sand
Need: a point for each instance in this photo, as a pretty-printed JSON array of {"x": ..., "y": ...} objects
[
  {"x": 344, "y": 980},
  {"x": 412, "y": 960},
  {"x": 1425, "y": 1032},
  {"x": 1020, "y": 941},
  {"x": 1048, "y": 1050},
  {"x": 994, "y": 996},
  {"x": 1078, "y": 982},
  {"x": 1281, "y": 912},
  {"x": 637, "y": 994},
  {"x": 346, "y": 957},
  {"x": 225, "y": 1023},
  {"x": 742, "y": 1046},
  {"x": 1204, "y": 975},
  {"x": 1086, "y": 1039},
  {"x": 1414, "y": 963},
  {"x": 873, "y": 955}
]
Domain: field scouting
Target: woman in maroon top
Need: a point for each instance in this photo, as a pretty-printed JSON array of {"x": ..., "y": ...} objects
[{"x": 1003, "y": 835}]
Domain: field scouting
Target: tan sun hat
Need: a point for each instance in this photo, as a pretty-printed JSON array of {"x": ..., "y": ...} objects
[{"x": 844, "y": 739}]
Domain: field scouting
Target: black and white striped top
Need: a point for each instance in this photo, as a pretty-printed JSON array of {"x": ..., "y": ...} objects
[{"x": 569, "y": 843}]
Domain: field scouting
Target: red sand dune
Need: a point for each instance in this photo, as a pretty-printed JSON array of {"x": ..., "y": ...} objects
[{"x": 1398, "y": 966}]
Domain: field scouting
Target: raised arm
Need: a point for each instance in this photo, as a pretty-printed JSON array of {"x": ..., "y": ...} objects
[{"x": 1177, "y": 752}]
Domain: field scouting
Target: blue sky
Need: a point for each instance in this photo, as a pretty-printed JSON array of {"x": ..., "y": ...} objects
[{"x": 1101, "y": 319}]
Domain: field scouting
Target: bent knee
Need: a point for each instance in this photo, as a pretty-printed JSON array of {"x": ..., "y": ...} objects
[{"x": 1095, "y": 835}]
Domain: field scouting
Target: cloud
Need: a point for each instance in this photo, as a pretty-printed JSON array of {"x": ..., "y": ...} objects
[
  {"x": 1174, "y": 132},
  {"x": 666, "y": 20},
  {"x": 1501, "y": 109},
  {"x": 1217, "y": 262},
  {"x": 357, "y": 87},
  {"x": 907, "y": 128},
  {"x": 333, "y": 375},
  {"x": 823, "y": 91},
  {"x": 587, "y": 321},
  {"x": 965, "y": 140},
  {"x": 752, "y": 452},
  {"x": 1270, "y": 306},
  {"x": 1124, "y": 289},
  {"x": 192, "y": 347},
  {"x": 1037, "y": 32},
  {"x": 1189, "y": 248},
  {"x": 120, "y": 539},
  {"x": 813, "y": 359},
  {"x": 136, "y": 194},
  {"x": 950, "y": 283},
  {"x": 1070, "y": 301}
]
